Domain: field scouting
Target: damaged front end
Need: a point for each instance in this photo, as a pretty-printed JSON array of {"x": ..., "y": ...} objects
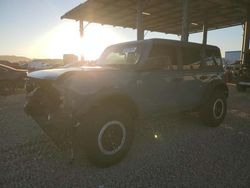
[{"x": 45, "y": 103}]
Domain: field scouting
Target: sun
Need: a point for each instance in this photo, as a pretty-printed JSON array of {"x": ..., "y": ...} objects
[
  {"x": 96, "y": 39},
  {"x": 65, "y": 39}
]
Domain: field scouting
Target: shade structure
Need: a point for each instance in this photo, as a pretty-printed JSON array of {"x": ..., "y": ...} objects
[{"x": 162, "y": 15}]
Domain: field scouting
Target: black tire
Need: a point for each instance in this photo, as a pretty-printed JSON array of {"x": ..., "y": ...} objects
[
  {"x": 241, "y": 88},
  {"x": 106, "y": 127},
  {"x": 214, "y": 110}
]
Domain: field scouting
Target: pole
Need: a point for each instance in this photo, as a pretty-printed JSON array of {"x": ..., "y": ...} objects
[
  {"x": 204, "y": 41},
  {"x": 185, "y": 20},
  {"x": 81, "y": 28},
  {"x": 245, "y": 45},
  {"x": 81, "y": 38},
  {"x": 139, "y": 20}
]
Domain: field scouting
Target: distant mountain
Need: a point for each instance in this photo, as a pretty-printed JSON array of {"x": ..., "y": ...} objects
[
  {"x": 14, "y": 59},
  {"x": 48, "y": 61}
]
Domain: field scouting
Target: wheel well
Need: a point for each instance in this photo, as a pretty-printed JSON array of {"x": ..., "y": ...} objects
[
  {"x": 222, "y": 88},
  {"x": 121, "y": 101}
]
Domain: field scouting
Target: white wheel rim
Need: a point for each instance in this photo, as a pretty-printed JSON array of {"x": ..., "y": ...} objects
[
  {"x": 218, "y": 108},
  {"x": 101, "y": 133}
]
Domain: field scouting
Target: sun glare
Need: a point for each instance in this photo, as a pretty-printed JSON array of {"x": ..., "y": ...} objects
[{"x": 65, "y": 39}]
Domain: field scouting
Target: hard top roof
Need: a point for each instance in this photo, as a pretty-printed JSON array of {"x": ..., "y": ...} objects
[{"x": 157, "y": 41}]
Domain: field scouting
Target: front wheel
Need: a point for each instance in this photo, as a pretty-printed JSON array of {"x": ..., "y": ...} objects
[
  {"x": 214, "y": 110},
  {"x": 108, "y": 135}
]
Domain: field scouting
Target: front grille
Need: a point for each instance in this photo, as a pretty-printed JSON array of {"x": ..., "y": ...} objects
[
  {"x": 41, "y": 96},
  {"x": 29, "y": 85}
]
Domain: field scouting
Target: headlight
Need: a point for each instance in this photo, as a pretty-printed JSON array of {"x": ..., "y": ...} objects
[{"x": 29, "y": 85}]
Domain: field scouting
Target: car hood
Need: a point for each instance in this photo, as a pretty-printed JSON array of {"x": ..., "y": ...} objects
[{"x": 53, "y": 74}]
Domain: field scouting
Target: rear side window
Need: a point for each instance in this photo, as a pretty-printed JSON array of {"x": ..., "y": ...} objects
[
  {"x": 163, "y": 56},
  {"x": 191, "y": 57}
]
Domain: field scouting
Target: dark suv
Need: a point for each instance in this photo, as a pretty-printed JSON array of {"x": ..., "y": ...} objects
[{"x": 95, "y": 107}]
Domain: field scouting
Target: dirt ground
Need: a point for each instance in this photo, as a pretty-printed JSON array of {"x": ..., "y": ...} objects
[{"x": 185, "y": 153}]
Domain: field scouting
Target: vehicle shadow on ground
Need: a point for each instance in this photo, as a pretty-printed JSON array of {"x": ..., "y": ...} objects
[
  {"x": 171, "y": 150},
  {"x": 163, "y": 130},
  {"x": 148, "y": 131}
]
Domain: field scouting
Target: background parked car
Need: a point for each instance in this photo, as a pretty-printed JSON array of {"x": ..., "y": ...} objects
[{"x": 11, "y": 79}]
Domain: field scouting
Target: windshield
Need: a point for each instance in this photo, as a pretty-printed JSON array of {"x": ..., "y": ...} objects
[{"x": 120, "y": 55}]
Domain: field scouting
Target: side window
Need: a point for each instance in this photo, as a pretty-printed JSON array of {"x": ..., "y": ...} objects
[
  {"x": 163, "y": 56},
  {"x": 132, "y": 57},
  {"x": 212, "y": 58},
  {"x": 117, "y": 58},
  {"x": 191, "y": 58}
]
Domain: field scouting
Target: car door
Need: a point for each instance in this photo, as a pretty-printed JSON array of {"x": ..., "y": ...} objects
[
  {"x": 191, "y": 89},
  {"x": 158, "y": 80}
]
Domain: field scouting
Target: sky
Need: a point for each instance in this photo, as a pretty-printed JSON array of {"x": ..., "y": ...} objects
[{"x": 33, "y": 28}]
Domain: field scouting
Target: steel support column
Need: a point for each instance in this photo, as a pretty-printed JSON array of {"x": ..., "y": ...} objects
[
  {"x": 139, "y": 20},
  {"x": 185, "y": 20},
  {"x": 204, "y": 40},
  {"x": 245, "y": 42},
  {"x": 81, "y": 29}
]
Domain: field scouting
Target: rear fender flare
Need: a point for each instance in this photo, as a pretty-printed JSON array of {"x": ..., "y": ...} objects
[{"x": 216, "y": 85}]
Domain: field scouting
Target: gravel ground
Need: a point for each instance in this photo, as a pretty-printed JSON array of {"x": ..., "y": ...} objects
[{"x": 186, "y": 153}]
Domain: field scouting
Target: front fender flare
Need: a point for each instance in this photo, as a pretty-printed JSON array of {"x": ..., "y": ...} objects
[{"x": 116, "y": 96}]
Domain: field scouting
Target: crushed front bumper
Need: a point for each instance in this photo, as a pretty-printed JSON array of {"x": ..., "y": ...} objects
[{"x": 44, "y": 106}]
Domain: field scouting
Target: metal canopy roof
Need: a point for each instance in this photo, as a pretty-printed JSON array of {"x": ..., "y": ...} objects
[{"x": 162, "y": 15}]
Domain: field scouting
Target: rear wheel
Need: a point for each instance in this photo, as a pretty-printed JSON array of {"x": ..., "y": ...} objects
[
  {"x": 108, "y": 135},
  {"x": 214, "y": 110}
]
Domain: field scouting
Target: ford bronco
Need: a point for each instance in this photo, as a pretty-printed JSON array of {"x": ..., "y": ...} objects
[{"x": 94, "y": 108}]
